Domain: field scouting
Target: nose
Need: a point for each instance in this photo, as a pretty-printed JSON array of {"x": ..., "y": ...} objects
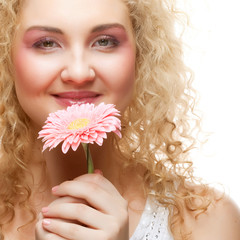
[{"x": 77, "y": 70}]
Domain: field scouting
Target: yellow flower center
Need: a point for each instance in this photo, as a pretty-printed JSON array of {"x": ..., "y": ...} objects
[{"x": 78, "y": 124}]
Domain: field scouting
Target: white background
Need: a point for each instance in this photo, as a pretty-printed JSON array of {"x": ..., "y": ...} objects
[{"x": 213, "y": 53}]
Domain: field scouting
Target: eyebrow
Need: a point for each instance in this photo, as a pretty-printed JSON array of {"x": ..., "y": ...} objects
[
  {"x": 45, "y": 28},
  {"x": 98, "y": 28},
  {"x": 103, "y": 27}
]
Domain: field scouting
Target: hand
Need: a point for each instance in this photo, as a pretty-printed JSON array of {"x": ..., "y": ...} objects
[
  {"x": 103, "y": 215},
  {"x": 40, "y": 232}
]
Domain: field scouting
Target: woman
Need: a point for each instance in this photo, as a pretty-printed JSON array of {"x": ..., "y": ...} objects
[{"x": 57, "y": 53}]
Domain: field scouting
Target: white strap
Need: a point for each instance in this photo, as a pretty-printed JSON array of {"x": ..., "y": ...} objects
[{"x": 153, "y": 223}]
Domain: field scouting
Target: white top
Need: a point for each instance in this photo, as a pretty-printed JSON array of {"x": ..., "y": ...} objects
[{"x": 153, "y": 223}]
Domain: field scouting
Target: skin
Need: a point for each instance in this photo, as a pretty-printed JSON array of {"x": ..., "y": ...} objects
[
  {"x": 65, "y": 53},
  {"x": 222, "y": 221},
  {"x": 57, "y": 53},
  {"x": 70, "y": 203}
]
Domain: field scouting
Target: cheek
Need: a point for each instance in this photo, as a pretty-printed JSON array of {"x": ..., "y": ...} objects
[
  {"x": 121, "y": 72},
  {"x": 120, "y": 78},
  {"x": 32, "y": 73},
  {"x": 33, "y": 76},
  {"x": 126, "y": 72},
  {"x": 23, "y": 72}
]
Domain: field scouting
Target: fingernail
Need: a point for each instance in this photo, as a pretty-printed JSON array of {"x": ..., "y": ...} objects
[
  {"x": 54, "y": 189},
  {"x": 46, "y": 222},
  {"x": 45, "y": 209},
  {"x": 98, "y": 171}
]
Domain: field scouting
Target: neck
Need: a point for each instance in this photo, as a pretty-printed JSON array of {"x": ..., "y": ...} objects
[{"x": 61, "y": 167}]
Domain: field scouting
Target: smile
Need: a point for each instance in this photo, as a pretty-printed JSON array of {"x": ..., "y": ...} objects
[{"x": 69, "y": 98}]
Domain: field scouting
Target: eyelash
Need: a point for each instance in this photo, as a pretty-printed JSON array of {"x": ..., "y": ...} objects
[
  {"x": 111, "y": 43},
  {"x": 112, "y": 40},
  {"x": 40, "y": 44}
]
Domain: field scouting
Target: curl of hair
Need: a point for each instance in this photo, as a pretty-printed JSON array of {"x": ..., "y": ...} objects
[
  {"x": 14, "y": 133},
  {"x": 158, "y": 126}
]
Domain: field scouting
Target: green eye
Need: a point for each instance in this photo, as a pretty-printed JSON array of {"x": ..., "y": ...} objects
[
  {"x": 103, "y": 42},
  {"x": 48, "y": 44},
  {"x": 106, "y": 42}
]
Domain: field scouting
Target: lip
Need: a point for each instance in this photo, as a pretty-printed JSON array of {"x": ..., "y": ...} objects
[{"x": 76, "y": 97}]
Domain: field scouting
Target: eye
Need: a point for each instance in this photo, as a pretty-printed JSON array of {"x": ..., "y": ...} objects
[
  {"x": 103, "y": 42},
  {"x": 106, "y": 42},
  {"x": 46, "y": 44}
]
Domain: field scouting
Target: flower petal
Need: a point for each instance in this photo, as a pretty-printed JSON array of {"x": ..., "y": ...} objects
[{"x": 100, "y": 120}]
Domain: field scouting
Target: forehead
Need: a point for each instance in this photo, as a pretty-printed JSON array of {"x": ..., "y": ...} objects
[{"x": 74, "y": 11}]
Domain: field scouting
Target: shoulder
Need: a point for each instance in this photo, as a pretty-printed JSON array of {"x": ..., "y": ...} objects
[{"x": 220, "y": 221}]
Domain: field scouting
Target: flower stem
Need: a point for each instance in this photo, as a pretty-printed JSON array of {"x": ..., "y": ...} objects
[{"x": 88, "y": 157}]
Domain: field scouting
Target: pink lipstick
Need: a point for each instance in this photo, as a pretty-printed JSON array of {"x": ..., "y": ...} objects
[{"x": 76, "y": 97}]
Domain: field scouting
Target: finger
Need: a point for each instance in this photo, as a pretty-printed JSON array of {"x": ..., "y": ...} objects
[
  {"x": 102, "y": 182},
  {"x": 93, "y": 194},
  {"x": 67, "y": 199},
  {"x": 80, "y": 213},
  {"x": 70, "y": 230},
  {"x": 99, "y": 180},
  {"x": 42, "y": 234},
  {"x": 98, "y": 171},
  {"x": 50, "y": 236}
]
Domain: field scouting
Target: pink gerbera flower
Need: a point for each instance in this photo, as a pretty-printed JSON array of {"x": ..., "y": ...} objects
[{"x": 77, "y": 124}]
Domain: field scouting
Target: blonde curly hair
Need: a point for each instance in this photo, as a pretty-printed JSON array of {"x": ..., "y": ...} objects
[
  {"x": 159, "y": 126},
  {"x": 14, "y": 125}
]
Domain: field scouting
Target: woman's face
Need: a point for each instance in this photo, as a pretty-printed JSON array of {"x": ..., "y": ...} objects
[{"x": 73, "y": 51}]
